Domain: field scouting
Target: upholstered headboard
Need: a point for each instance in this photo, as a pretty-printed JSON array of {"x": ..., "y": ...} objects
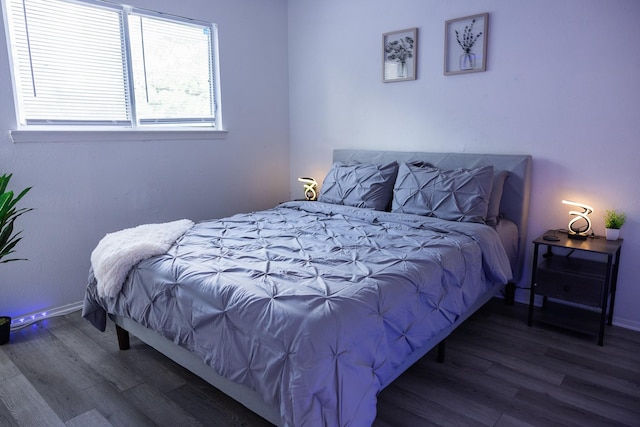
[{"x": 515, "y": 197}]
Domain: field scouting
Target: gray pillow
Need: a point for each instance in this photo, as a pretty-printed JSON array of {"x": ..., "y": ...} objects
[
  {"x": 453, "y": 195},
  {"x": 493, "y": 211},
  {"x": 363, "y": 185}
]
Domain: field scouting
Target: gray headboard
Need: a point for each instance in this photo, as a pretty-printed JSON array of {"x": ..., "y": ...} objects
[{"x": 515, "y": 197}]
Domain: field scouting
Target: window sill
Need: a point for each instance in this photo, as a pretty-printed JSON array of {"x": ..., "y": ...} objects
[{"x": 110, "y": 135}]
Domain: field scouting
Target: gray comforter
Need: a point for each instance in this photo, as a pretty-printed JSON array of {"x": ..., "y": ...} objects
[{"x": 312, "y": 305}]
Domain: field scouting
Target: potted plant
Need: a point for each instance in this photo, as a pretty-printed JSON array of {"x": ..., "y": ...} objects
[
  {"x": 613, "y": 220},
  {"x": 8, "y": 237}
]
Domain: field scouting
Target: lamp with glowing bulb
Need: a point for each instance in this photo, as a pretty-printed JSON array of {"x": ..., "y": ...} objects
[
  {"x": 576, "y": 231},
  {"x": 310, "y": 186}
]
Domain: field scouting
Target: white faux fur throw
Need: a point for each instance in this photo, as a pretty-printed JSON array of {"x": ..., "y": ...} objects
[{"x": 117, "y": 252}]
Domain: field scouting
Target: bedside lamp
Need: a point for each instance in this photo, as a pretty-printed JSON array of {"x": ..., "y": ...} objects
[
  {"x": 310, "y": 186},
  {"x": 576, "y": 232}
]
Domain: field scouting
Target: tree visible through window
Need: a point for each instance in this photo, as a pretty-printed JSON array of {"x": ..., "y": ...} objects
[{"x": 96, "y": 63}]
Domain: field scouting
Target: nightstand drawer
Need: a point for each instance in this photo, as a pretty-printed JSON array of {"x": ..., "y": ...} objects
[
  {"x": 571, "y": 279},
  {"x": 569, "y": 287}
]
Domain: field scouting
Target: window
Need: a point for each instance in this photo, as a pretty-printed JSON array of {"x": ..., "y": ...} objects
[{"x": 93, "y": 63}]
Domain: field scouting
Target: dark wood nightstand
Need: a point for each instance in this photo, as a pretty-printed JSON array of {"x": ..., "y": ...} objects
[{"x": 586, "y": 282}]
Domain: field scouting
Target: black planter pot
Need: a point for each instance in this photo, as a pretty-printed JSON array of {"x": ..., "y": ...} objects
[{"x": 5, "y": 329}]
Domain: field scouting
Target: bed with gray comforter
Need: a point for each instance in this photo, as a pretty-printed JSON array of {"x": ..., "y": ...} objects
[{"x": 314, "y": 306}]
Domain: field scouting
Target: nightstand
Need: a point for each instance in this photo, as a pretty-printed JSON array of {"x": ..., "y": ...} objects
[{"x": 583, "y": 281}]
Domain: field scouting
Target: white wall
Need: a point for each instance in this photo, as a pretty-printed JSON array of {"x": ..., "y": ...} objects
[
  {"x": 83, "y": 190},
  {"x": 561, "y": 84}
]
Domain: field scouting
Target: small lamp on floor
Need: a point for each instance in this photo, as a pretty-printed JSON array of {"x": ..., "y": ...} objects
[
  {"x": 576, "y": 231},
  {"x": 310, "y": 186}
]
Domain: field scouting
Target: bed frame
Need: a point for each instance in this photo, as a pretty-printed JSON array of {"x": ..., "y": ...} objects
[{"x": 514, "y": 206}]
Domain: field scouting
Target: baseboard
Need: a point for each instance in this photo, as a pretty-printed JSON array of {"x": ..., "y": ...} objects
[
  {"x": 627, "y": 324},
  {"x": 19, "y": 322},
  {"x": 522, "y": 296}
]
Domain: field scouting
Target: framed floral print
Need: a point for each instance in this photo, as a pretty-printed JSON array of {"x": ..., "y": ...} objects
[
  {"x": 399, "y": 55},
  {"x": 465, "y": 44}
]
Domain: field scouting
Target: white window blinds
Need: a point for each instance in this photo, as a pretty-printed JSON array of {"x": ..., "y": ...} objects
[{"x": 95, "y": 63}]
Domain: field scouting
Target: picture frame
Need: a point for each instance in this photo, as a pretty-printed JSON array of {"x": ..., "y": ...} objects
[
  {"x": 465, "y": 44},
  {"x": 399, "y": 49}
]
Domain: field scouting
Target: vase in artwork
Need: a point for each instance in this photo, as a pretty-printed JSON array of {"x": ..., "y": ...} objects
[
  {"x": 402, "y": 69},
  {"x": 467, "y": 61}
]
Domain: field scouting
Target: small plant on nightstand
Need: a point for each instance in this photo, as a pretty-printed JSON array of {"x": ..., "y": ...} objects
[{"x": 613, "y": 220}]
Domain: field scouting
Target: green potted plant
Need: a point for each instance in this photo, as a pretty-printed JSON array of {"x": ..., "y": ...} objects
[
  {"x": 8, "y": 237},
  {"x": 613, "y": 220}
]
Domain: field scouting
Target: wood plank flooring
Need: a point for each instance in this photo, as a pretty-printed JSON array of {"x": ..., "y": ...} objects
[{"x": 498, "y": 372}]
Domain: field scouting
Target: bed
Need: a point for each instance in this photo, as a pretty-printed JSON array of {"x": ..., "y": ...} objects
[{"x": 304, "y": 312}]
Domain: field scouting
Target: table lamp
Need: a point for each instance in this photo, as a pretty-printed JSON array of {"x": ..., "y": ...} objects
[
  {"x": 576, "y": 231},
  {"x": 310, "y": 186}
]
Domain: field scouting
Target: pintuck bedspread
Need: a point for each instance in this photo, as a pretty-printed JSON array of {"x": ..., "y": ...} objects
[{"x": 312, "y": 305}]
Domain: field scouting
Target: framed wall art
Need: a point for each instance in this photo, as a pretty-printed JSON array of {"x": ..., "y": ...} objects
[
  {"x": 465, "y": 44},
  {"x": 399, "y": 55}
]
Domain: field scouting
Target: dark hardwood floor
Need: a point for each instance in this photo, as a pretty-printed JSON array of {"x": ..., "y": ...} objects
[{"x": 498, "y": 372}]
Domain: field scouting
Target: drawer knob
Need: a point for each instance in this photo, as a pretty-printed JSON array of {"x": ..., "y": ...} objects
[{"x": 566, "y": 288}]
